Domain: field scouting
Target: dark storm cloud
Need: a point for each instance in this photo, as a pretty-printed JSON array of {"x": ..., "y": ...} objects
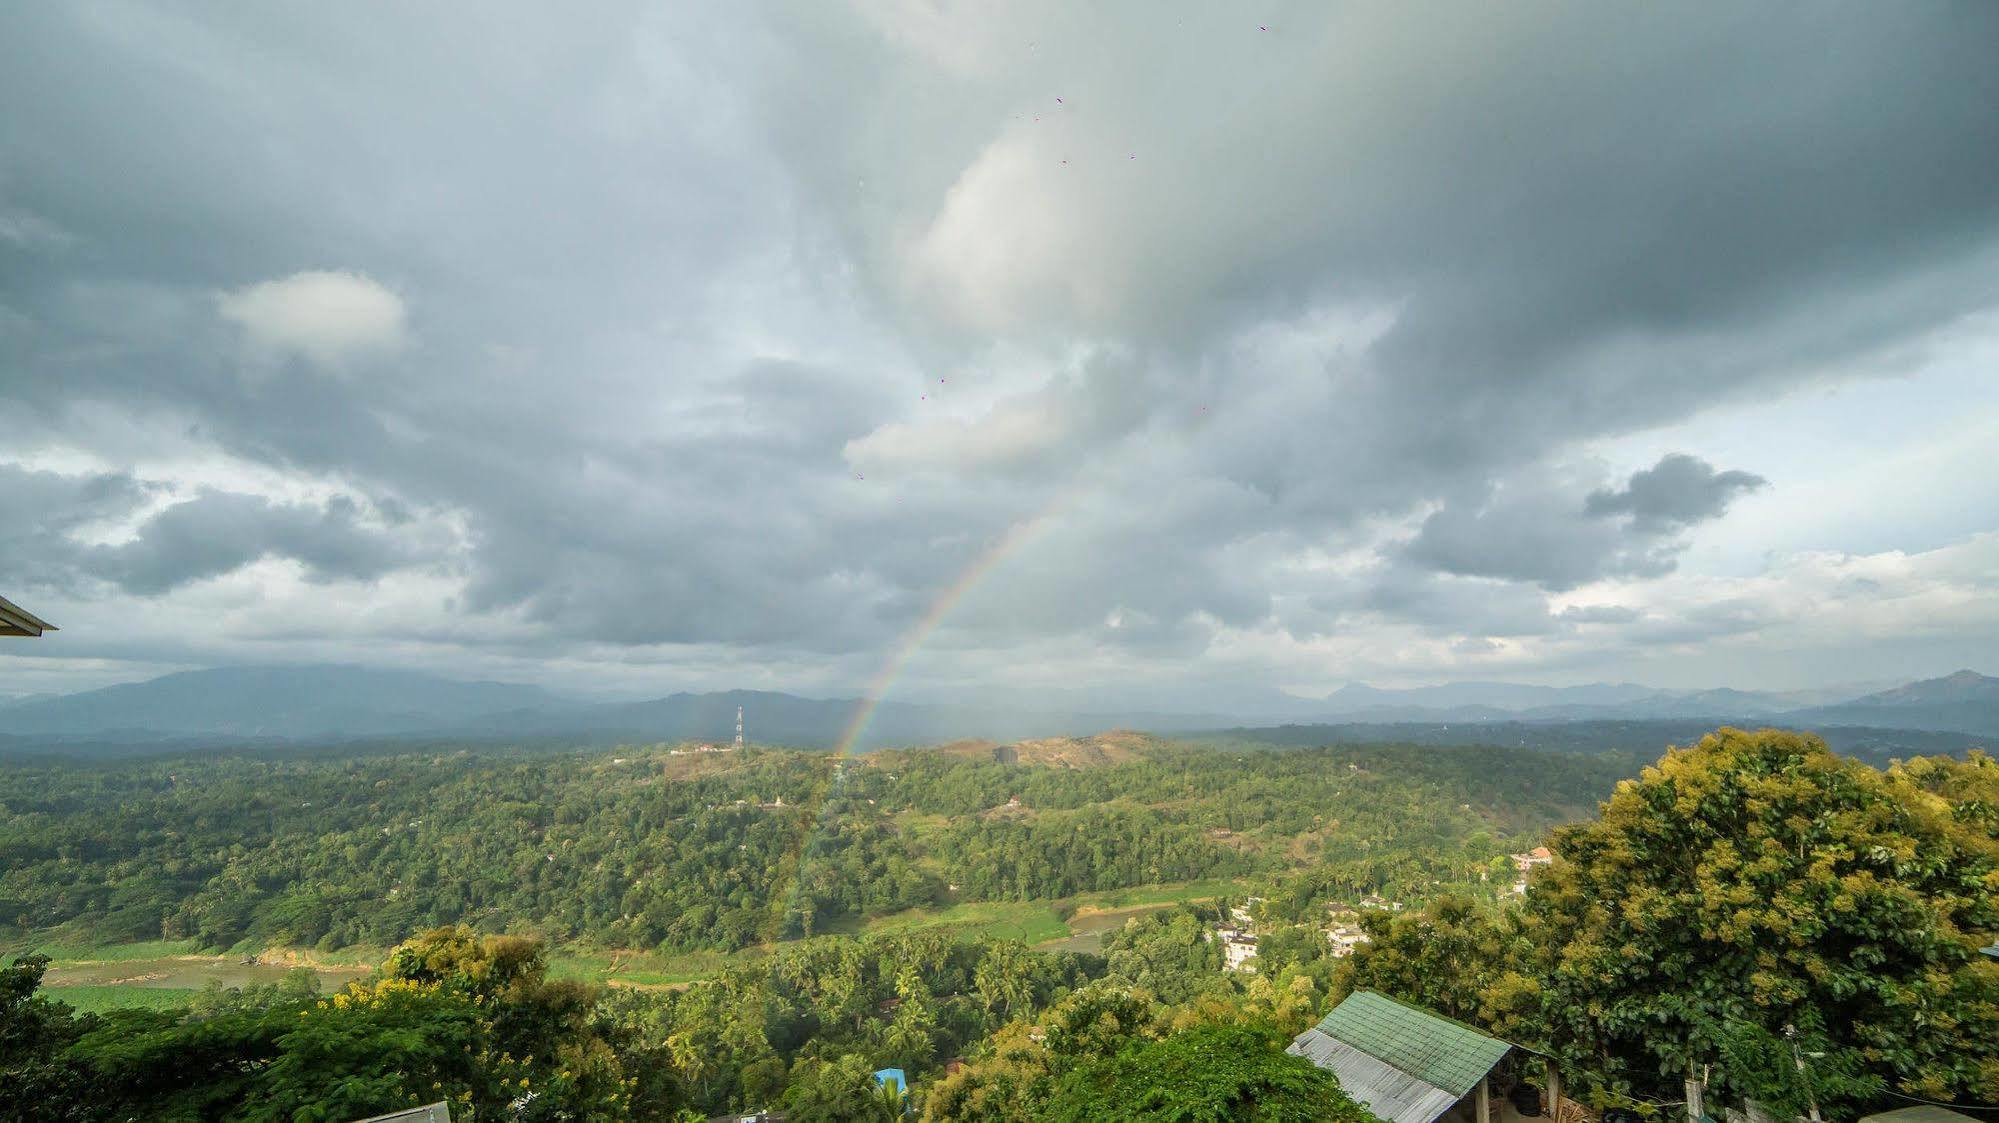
[
  {"x": 40, "y": 511},
  {"x": 1678, "y": 491},
  {"x": 48, "y": 518},
  {"x": 668, "y": 287},
  {"x": 1537, "y": 527}
]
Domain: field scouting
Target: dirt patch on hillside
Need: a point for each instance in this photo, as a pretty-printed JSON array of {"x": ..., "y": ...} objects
[
  {"x": 693, "y": 763},
  {"x": 1103, "y": 749},
  {"x": 971, "y": 748}
]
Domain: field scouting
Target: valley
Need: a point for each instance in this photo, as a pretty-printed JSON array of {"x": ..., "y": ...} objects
[{"x": 642, "y": 865}]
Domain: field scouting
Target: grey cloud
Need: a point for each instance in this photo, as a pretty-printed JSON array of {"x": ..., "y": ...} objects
[
  {"x": 218, "y": 532},
  {"x": 665, "y": 274},
  {"x": 1532, "y": 527},
  {"x": 1679, "y": 491},
  {"x": 40, "y": 511},
  {"x": 47, "y": 521},
  {"x": 1462, "y": 606}
]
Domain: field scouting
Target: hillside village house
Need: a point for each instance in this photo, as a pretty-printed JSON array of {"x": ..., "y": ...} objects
[
  {"x": 1238, "y": 938},
  {"x": 1525, "y": 864},
  {"x": 1344, "y": 938},
  {"x": 1237, "y": 952},
  {"x": 1238, "y": 947}
]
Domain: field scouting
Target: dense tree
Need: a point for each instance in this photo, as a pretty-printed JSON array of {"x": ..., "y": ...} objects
[
  {"x": 1756, "y": 882},
  {"x": 450, "y": 1017},
  {"x": 1010, "y": 1082},
  {"x": 33, "y": 1033},
  {"x": 1171, "y": 953},
  {"x": 1464, "y": 960},
  {"x": 644, "y": 849},
  {"x": 1748, "y": 904},
  {"x": 1208, "y": 1074},
  {"x": 838, "y": 1091}
]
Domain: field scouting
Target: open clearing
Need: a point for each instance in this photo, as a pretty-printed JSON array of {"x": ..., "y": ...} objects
[
  {"x": 181, "y": 972},
  {"x": 159, "y": 973}
]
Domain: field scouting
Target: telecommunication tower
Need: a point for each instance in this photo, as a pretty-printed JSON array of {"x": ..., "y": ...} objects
[{"x": 739, "y": 727}]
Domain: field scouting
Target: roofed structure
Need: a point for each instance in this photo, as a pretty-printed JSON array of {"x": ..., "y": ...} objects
[
  {"x": 18, "y": 621},
  {"x": 1923, "y": 1113},
  {"x": 439, "y": 1112},
  {"x": 1404, "y": 1064}
]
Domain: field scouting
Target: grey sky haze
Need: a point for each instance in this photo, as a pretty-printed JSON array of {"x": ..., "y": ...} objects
[{"x": 685, "y": 347}]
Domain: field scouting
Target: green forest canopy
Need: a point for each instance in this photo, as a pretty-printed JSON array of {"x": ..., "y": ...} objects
[
  {"x": 1850, "y": 900},
  {"x": 640, "y": 849}
]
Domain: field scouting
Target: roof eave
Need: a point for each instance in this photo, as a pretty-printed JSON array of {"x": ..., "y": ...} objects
[{"x": 18, "y": 621}]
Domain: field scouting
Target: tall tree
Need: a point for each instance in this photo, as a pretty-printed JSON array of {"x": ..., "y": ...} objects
[
  {"x": 1757, "y": 881},
  {"x": 1454, "y": 956},
  {"x": 1208, "y": 1074}
]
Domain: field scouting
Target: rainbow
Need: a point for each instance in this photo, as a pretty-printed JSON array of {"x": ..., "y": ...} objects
[{"x": 1018, "y": 536}]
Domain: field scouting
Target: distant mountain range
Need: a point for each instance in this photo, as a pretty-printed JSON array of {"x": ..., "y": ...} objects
[
  {"x": 335, "y": 703},
  {"x": 1485, "y": 701},
  {"x": 305, "y": 704}
]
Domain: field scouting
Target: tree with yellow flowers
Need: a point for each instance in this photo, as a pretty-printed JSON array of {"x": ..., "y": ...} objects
[{"x": 1757, "y": 888}]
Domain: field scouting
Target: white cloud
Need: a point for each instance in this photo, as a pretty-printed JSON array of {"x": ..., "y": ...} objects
[{"x": 325, "y": 316}]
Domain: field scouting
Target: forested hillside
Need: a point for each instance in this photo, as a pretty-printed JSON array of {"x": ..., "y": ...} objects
[
  {"x": 1745, "y": 895},
  {"x": 641, "y": 848}
]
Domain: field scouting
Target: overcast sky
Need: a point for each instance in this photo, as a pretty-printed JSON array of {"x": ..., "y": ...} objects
[{"x": 703, "y": 346}]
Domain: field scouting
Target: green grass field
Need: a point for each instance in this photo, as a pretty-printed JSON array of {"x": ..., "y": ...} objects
[
  {"x": 1032, "y": 921},
  {"x": 1045, "y": 923},
  {"x": 1158, "y": 894},
  {"x": 642, "y": 969},
  {"x": 87, "y": 999}
]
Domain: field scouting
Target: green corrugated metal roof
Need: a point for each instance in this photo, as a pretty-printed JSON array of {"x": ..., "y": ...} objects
[
  {"x": 1922, "y": 1114},
  {"x": 1435, "y": 1050}
]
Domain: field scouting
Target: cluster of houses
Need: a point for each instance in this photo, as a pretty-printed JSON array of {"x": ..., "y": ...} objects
[
  {"x": 1343, "y": 929},
  {"x": 1238, "y": 938},
  {"x": 1237, "y": 934}
]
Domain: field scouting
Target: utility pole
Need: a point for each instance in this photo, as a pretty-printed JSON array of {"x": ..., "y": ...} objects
[
  {"x": 1803, "y": 1078},
  {"x": 739, "y": 727}
]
